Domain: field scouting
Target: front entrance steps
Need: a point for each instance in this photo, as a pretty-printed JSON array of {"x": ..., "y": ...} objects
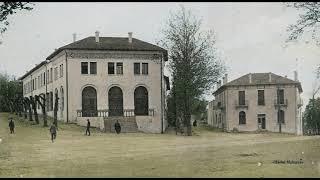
[{"x": 128, "y": 124}]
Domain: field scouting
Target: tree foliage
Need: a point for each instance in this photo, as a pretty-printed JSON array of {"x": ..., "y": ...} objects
[
  {"x": 10, "y": 8},
  {"x": 311, "y": 117},
  {"x": 10, "y": 94},
  {"x": 309, "y": 20},
  {"x": 193, "y": 63}
]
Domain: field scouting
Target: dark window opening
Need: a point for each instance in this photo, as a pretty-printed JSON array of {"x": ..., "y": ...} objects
[
  {"x": 84, "y": 68},
  {"x": 141, "y": 101},
  {"x": 280, "y": 96},
  {"x": 110, "y": 68},
  {"x": 281, "y": 116},
  {"x": 261, "y": 97},
  {"x": 136, "y": 68},
  {"x": 242, "y": 98}
]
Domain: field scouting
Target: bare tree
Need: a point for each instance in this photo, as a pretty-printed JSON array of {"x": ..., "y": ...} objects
[
  {"x": 34, "y": 107},
  {"x": 309, "y": 20},
  {"x": 10, "y": 8},
  {"x": 55, "y": 110},
  {"x": 43, "y": 107},
  {"x": 192, "y": 61},
  {"x": 28, "y": 106}
]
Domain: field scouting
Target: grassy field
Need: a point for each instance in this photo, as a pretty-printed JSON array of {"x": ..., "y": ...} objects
[{"x": 209, "y": 153}]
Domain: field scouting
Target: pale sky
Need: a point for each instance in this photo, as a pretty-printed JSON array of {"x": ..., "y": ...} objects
[{"x": 250, "y": 36}]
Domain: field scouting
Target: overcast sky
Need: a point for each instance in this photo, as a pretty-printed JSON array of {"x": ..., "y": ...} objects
[{"x": 250, "y": 36}]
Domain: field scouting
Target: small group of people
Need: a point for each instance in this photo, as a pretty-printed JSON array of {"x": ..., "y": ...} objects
[
  {"x": 53, "y": 128},
  {"x": 117, "y": 127}
]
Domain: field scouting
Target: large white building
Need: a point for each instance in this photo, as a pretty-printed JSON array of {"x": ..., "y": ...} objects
[{"x": 104, "y": 79}]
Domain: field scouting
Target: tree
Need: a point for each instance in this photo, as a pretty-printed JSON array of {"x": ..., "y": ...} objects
[
  {"x": 192, "y": 61},
  {"x": 10, "y": 8},
  {"x": 311, "y": 117},
  {"x": 34, "y": 107},
  {"x": 43, "y": 107},
  {"x": 309, "y": 20}
]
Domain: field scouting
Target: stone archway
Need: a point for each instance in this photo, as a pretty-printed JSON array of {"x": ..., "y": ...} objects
[
  {"x": 89, "y": 102},
  {"x": 115, "y": 101}
]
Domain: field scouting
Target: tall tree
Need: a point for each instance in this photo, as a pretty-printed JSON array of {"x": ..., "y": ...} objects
[
  {"x": 192, "y": 61},
  {"x": 9, "y": 8},
  {"x": 311, "y": 118},
  {"x": 34, "y": 108}
]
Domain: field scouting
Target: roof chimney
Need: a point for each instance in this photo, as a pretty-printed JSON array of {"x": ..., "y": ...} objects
[
  {"x": 97, "y": 36},
  {"x": 295, "y": 75},
  {"x": 270, "y": 77},
  {"x": 250, "y": 78},
  {"x": 130, "y": 37},
  {"x": 74, "y": 37}
]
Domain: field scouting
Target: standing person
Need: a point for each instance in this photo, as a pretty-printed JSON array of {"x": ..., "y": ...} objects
[
  {"x": 88, "y": 127},
  {"x": 11, "y": 126},
  {"x": 117, "y": 127},
  {"x": 53, "y": 131}
]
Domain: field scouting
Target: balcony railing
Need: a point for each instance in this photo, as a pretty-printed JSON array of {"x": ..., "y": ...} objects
[
  {"x": 106, "y": 113},
  {"x": 281, "y": 103},
  {"x": 244, "y": 104}
]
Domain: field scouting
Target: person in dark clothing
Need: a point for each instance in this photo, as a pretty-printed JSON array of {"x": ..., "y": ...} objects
[
  {"x": 195, "y": 123},
  {"x": 88, "y": 127},
  {"x": 11, "y": 126},
  {"x": 117, "y": 127},
  {"x": 53, "y": 131}
]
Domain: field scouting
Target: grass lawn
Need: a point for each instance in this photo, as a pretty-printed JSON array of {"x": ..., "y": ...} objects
[{"x": 209, "y": 153}]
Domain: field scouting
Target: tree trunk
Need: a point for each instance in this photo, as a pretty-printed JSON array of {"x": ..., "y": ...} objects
[
  {"x": 25, "y": 109},
  {"x": 33, "y": 103},
  {"x": 55, "y": 121},
  {"x": 43, "y": 108}
]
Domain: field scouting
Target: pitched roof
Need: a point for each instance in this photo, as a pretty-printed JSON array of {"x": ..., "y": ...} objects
[
  {"x": 260, "y": 79},
  {"x": 110, "y": 43},
  {"x": 32, "y": 70}
]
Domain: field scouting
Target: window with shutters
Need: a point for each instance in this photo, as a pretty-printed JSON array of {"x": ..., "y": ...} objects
[
  {"x": 120, "y": 68},
  {"x": 281, "y": 116},
  {"x": 144, "y": 68},
  {"x": 242, "y": 98}
]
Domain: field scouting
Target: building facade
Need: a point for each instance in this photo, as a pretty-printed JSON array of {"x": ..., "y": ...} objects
[
  {"x": 103, "y": 78},
  {"x": 257, "y": 101}
]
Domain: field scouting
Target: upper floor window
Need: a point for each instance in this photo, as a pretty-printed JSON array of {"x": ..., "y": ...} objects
[
  {"x": 61, "y": 70},
  {"x": 242, "y": 98},
  {"x": 280, "y": 96},
  {"x": 84, "y": 68},
  {"x": 144, "y": 68},
  {"x": 120, "y": 68},
  {"x": 110, "y": 68},
  {"x": 55, "y": 73},
  {"x": 93, "y": 67},
  {"x": 261, "y": 97},
  {"x": 136, "y": 68}
]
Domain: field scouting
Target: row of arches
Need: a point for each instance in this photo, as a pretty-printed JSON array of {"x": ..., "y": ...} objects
[{"x": 115, "y": 101}]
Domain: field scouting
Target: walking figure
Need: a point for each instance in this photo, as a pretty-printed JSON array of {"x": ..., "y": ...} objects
[
  {"x": 11, "y": 126},
  {"x": 88, "y": 127},
  {"x": 53, "y": 131},
  {"x": 117, "y": 127}
]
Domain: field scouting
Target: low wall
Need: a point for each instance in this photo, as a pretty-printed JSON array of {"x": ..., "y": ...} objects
[
  {"x": 146, "y": 124},
  {"x": 97, "y": 122}
]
